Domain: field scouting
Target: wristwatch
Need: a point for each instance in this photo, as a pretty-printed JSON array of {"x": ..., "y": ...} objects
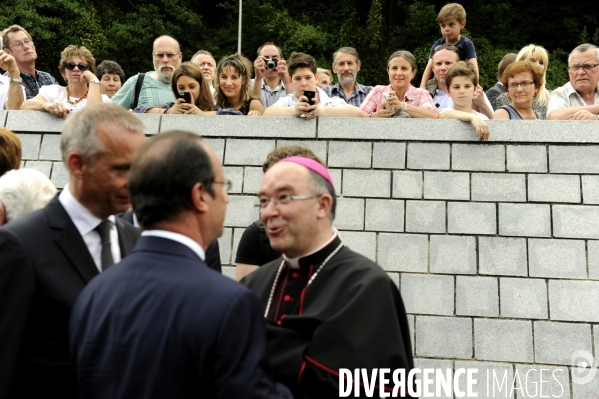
[
  {"x": 19, "y": 80},
  {"x": 94, "y": 81}
]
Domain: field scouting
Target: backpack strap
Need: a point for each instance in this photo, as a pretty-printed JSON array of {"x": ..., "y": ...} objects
[{"x": 140, "y": 81}]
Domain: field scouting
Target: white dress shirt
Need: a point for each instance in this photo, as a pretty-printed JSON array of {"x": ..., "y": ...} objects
[
  {"x": 4, "y": 87},
  {"x": 86, "y": 222},
  {"x": 180, "y": 238}
]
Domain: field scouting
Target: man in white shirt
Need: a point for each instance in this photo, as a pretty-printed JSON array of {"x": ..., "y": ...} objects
[
  {"x": 51, "y": 254},
  {"x": 12, "y": 94}
]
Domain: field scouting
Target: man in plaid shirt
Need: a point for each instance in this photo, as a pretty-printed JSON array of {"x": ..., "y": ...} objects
[
  {"x": 346, "y": 64},
  {"x": 18, "y": 43}
]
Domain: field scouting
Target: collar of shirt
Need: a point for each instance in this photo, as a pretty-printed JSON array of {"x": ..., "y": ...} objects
[
  {"x": 358, "y": 88},
  {"x": 571, "y": 90},
  {"x": 84, "y": 220},
  {"x": 180, "y": 238},
  {"x": 267, "y": 87},
  {"x": 294, "y": 262}
]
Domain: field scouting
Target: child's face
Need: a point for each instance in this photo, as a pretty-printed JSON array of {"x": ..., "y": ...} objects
[
  {"x": 303, "y": 79},
  {"x": 323, "y": 80},
  {"x": 450, "y": 29},
  {"x": 461, "y": 91}
]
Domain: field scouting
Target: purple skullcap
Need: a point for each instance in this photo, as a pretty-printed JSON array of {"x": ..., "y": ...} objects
[{"x": 311, "y": 164}]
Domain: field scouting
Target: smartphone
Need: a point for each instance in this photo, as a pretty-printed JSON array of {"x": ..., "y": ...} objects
[
  {"x": 310, "y": 94},
  {"x": 185, "y": 95},
  {"x": 386, "y": 95}
]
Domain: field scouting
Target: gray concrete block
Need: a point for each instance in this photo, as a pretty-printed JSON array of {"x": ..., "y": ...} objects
[
  {"x": 235, "y": 174},
  {"x": 555, "y": 343},
  {"x": 43, "y": 166},
  {"x": 428, "y": 294},
  {"x": 3, "y": 115},
  {"x": 478, "y": 157},
  {"x": 218, "y": 146},
  {"x": 30, "y": 145},
  {"x": 237, "y": 233},
  {"x": 438, "y": 366},
  {"x": 428, "y": 156},
  {"x": 425, "y": 216},
  {"x": 553, "y": 188},
  {"x": 403, "y": 252},
  {"x": 596, "y": 340},
  {"x": 395, "y": 278},
  {"x": 477, "y": 296},
  {"x": 593, "y": 256},
  {"x": 503, "y": 340},
  {"x": 584, "y": 391},
  {"x": 319, "y": 148},
  {"x": 349, "y": 214},
  {"x": 252, "y": 180},
  {"x": 225, "y": 243},
  {"x": 447, "y": 185},
  {"x": 229, "y": 271},
  {"x": 573, "y": 159},
  {"x": 453, "y": 254},
  {"x": 350, "y": 154},
  {"x": 366, "y": 183},
  {"x": 411, "y": 328},
  {"x": 493, "y": 380},
  {"x": 590, "y": 189},
  {"x": 502, "y": 256},
  {"x": 407, "y": 185},
  {"x": 530, "y": 220},
  {"x": 241, "y": 126},
  {"x": 574, "y": 300},
  {"x": 444, "y": 337},
  {"x": 34, "y": 121},
  {"x": 523, "y": 298},
  {"x": 557, "y": 258},
  {"x": 385, "y": 215},
  {"x": 389, "y": 155},
  {"x": 151, "y": 123},
  {"x": 361, "y": 242},
  {"x": 555, "y": 381},
  {"x": 576, "y": 221},
  {"x": 59, "y": 175},
  {"x": 247, "y": 152},
  {"x": 501, "y": 187},
  {"x": 241, "y": 211},
  {"x": 471, "y": 218},
  {"x": 526, "y": 158},
  {"x": 50, "y": 149},
  {"x": 337, "y": 180}
]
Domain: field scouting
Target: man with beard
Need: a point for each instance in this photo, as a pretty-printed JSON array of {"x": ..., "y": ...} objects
[
  {"x": 346, "y": 65},
  {"x": 272, "y": 78},
  {"x": 152, "y": 88}
]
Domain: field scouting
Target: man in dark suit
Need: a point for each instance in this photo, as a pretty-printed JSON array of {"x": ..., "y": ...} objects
[
  {"x": 49, "y": 256},
  {"x": 498, "y": 88},
  {"x": 161, "y": 324}
]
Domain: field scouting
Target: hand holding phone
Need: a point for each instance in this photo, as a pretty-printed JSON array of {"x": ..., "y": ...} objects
[
  {"x": 310, "y": 94},
  {"x": 185, "y": 95}
]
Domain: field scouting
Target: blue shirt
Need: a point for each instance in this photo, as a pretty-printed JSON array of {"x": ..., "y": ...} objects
[
  {"x": 357, "y": 96},
  {"x": 465, "y": 46}
]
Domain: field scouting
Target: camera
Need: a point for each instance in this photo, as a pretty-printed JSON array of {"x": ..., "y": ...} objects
[{"x": 271, "y": 64}]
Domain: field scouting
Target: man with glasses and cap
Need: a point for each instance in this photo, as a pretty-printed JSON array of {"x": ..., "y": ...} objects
[
  {"x": 579, "y": 98},
  {"x": 326, "y": 306},
  {"x": 152, "y": 88}
]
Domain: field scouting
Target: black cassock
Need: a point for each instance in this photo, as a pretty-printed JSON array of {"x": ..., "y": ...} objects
[{"x": 351, "y": 316}]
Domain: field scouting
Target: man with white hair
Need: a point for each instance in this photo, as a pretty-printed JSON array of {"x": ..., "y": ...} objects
[
  {"x": 23, "y": 191},
  {"x": 346, "y": 64},
  {"x": 152, "y": 88}
]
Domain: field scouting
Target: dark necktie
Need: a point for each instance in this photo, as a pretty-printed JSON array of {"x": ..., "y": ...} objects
[{"x": 104, "y": 230}]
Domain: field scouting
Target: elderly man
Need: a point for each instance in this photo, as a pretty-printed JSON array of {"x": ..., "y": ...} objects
[
  {"x": 346, "y": 64},
  {"x": 579, "y": 98},
  {"x": 22, "y": 192},
  {"x": 18, "y": 43},
  {"x": 443, "y": 59},
  {"x": 51, "y": 254},
  {"x": 124, "y": 338},
  {"x": 326, "y": 307},
  {"x": 272, "y": 79},
  {"x": 152, "y": 88},
  {"x": 207, "y": 64}
]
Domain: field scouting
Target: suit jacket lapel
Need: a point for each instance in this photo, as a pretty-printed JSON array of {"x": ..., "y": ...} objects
[{"x": 69, "y": 240}]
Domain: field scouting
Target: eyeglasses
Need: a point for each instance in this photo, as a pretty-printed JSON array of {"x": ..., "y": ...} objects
[
  {"x": 21, "y": 44},
  {"x": 227, "y": 184},
  {"x": 445, "y": 46},
  {"x": 70, "y": 66},
  {"x": 283, "y": 199},
  {"x": 586, "y": 67},
  {"x": 160, "y": 56},
  {"x": 524, "y": 84}
]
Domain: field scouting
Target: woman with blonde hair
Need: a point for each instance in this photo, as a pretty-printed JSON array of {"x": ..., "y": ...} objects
[
  {"x": 325, "y": 77},
  {"x": 538, "y": 56},
  {"x": 233, "y": 88}
]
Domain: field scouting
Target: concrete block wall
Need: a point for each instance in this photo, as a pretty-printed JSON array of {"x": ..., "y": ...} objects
[{"x": 495, "y": 245}]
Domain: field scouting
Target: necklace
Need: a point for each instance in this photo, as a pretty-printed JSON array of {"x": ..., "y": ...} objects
[
  {"x": 77, "y": 101},
  {"x": 274, "y": 284}
]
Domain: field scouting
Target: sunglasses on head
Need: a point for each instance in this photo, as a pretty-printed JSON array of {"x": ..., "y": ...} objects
[
  {"x": 444, "y": 46},
  {"x": 70, "y": 66}
]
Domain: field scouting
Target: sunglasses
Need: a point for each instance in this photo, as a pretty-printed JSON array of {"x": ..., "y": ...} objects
[
  {"x": 70, "y": 66},
  {"x": 448, "y": 47}
]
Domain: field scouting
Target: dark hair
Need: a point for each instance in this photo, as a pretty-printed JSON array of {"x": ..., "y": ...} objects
[
  {"x": 242, "y": 66},
  {"x": 301, "y": 60},
  {"x": 507, "y": 59},
  {"x": 164, "y": 171},
  {"x": 10, "y": 150},
  {"x": 461, "y": 68},
  {"x": 110, "y": 67},
  {"x": 270, "y": 44},
  {"x": 522, "y": 66},
  {"x": 204, "y": 102}
]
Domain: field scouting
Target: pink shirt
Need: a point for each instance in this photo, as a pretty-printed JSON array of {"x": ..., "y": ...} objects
[{"x": 413, "y": 96}]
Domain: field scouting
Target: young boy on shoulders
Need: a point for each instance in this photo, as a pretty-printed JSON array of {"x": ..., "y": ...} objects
[
  {"x": 303, "y": 78},
  {"x": 451, "y": 19},
  {"x": 461, "y": 82}
]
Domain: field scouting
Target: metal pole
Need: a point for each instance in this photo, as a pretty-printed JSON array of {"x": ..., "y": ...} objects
[{"x": 239, "y": 33}]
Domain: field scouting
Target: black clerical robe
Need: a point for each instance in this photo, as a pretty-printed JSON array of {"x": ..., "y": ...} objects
[{"x": 351, "y": 316}]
